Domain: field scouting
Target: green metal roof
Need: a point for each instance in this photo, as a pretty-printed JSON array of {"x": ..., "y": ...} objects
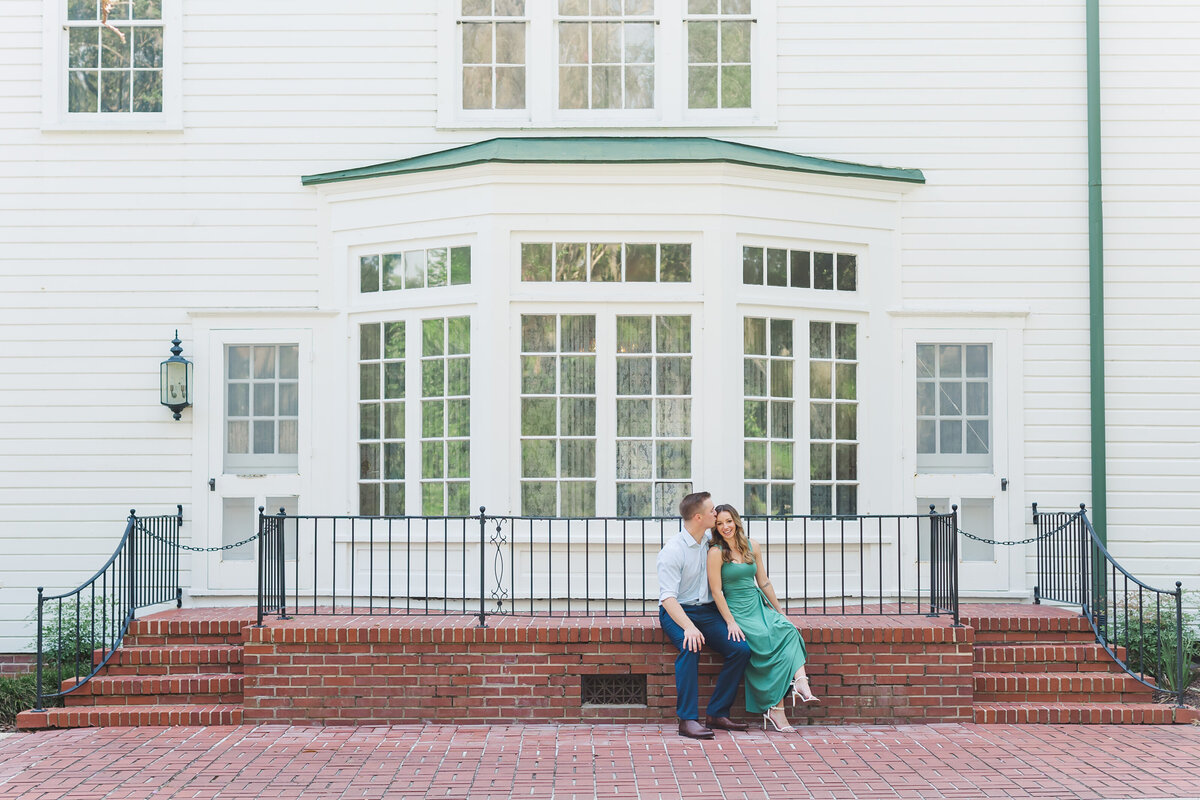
[{"x": 616, "y": 150}]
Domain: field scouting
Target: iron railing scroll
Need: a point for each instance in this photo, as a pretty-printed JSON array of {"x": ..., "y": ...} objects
[
  {"x": 487, "y": 565},
  {"x": 1138, "y": 625},
  {"x": 78, "y": 631}
]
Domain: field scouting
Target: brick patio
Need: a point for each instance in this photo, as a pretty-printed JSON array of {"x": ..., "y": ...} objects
[{"x": 620, "y": 761}]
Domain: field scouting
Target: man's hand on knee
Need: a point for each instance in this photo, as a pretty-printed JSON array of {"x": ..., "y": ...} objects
[{"x": 693, "y": 639}]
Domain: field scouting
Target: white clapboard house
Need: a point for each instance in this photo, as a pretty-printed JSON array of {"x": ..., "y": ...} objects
[{"x": 576, "y": 257}]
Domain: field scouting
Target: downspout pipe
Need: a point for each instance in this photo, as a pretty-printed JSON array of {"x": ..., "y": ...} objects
[{"x": 1096, "y": 277}]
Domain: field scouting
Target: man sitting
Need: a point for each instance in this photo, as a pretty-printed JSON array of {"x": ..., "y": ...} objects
[{"x": 691, "y": 620}]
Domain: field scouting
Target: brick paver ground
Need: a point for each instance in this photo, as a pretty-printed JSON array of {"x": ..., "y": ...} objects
[{"x": 581, "y": 761}]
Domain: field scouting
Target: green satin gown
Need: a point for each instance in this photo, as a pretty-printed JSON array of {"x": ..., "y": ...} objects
[{"x": 776, "y": 647}]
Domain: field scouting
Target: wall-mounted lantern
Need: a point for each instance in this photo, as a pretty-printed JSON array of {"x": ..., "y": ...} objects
[{"x": 175, "y": 379}]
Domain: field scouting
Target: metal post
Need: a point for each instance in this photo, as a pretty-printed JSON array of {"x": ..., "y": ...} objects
[
  {"x": 1037, "y": 597},
  {"x": 482, "y": 555},
  {"x": 281, "y": 561},
  {"x": 933, "y": 562},
  {"x": 38, "y": 707},
  {"x": 132, "y": 548},
  {"x": 1181, "y": 686},
  {"x": 1085, "y": 577},
  {"x": 175, "y": 556},
  {"x": 261, "y": 561},
  {"x": 953, "y": 574}
]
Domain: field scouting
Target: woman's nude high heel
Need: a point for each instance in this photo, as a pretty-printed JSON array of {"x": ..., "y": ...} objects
[
  {"x": 768, "y": 718},
  {"x": 797, "y": 694}
]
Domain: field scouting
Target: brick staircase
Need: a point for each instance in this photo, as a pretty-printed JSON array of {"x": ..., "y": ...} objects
[
  {"x": 1032, "y": 664},
  {"x": 1040, "y": 668},
  {"x": 167, "y": 672}
]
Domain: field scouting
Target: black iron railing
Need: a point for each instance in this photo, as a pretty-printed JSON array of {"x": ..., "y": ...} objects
[
  {"x": 1140, "y": 627},
  {"x": 77, "y": 631},
  {"x": 500, "y": 564}
]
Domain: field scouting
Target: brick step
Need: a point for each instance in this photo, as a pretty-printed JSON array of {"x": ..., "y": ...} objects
[
  {"x": 1083, "y": 714},
  {"x": 1059, "y": 687},
  {"x": 1045, "y": 658},
  {"x": 192, "y": 689},
  {"x": 125, "y": 716},
  {"x": 154, "y": 632},
  {"x": 1034, "y": 637},
  {"x": 173, "y": 659},
  {"x": 1028, "y": 628}
]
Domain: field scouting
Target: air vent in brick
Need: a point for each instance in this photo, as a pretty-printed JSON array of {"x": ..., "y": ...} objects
[{"x": 614, "y": 690}]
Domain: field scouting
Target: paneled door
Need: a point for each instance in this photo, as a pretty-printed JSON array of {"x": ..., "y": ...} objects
[
  {"x": 255, "y": 446},
  {"x": 959, "y": 430}
]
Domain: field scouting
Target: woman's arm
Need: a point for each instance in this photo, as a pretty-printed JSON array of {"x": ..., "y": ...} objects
[
  {"x": 714, "y": 585},
  {"x": 764, "y": 583}
]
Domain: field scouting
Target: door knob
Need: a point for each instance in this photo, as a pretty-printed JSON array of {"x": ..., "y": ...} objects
[
  {"x": 212, "y": 484},
  {"x": 1004, "y": 484}
]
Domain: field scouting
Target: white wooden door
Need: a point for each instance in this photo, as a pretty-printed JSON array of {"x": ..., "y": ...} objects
[
  {"x": 957, "y": 403},
  {"x": 256, "y": 444}
]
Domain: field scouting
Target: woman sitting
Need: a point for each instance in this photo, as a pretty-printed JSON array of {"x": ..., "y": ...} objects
[{"x": 747, "y": 601}]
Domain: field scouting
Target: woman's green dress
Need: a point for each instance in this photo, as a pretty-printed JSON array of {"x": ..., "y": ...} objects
[{"x": 776, "y": 648}]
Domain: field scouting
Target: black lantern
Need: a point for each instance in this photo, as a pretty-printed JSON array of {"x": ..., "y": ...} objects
[{"x": 175, "y": 379}]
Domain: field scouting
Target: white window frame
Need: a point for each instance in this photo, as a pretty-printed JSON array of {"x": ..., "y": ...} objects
[
  {"x": 606, "y": 314},
  {"x": 55, "y": 116},
  {"x": 413, "y": 315},
  {"x": 962, "y": 462},
  {"x": 670, "y": 76},
  {"x": 251, "y": 462}
]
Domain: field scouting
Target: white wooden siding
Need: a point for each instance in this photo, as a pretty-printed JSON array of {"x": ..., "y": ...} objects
[{"x": 106, "y": 239}]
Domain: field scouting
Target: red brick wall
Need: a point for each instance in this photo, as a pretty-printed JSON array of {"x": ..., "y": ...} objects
[
  {"x": 16, "y": 663},
  {"x": 410, "y": 670}
]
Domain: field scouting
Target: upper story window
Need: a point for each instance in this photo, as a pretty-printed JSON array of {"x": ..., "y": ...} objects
[
  {"x": 115, "y": 56},
  {"x": 111, "y": 64},
  {"x": 493, "y": 54},
  {"x": 606, "y": 63},
  {"x": 718, "y": 49},
  {"x": 605, "y": 54}
]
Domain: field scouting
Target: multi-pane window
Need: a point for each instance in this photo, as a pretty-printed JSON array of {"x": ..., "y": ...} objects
[
  {"x": 493, "y": 54},
  {"x": 833, "y": 417},
  {"x": 597, "y": 262},
  {"x": 114, "y": 60},
  {"x": 605, "y": 54},
  {"x": 953, "y": 406},
  {"x": 558, "y": 415},
  {"x": 800, "y": 269},
  {"x": 415, "y": 269},
  {"x": 262, "y": 407},
  {"x": 381, "y": 418},
  {"x": 654, "y": 414},
  {"x": 769, "y": 389},
  {"x": 446, "y": 416},
  {"x": 718, "y": 52}
]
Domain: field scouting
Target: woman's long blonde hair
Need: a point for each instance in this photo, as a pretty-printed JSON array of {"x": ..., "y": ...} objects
[{"x": 739, "y": 538}]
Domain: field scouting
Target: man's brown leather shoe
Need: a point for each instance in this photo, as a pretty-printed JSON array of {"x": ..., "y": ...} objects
[
  {"x": 693, "y": 729},
  {"x": 725, "y": 724}
]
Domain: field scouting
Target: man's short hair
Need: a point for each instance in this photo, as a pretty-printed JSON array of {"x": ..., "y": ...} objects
[{"x": 692, "y": 504}]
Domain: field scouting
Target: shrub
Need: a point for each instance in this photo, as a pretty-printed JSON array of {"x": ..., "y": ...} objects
[{"x": 1150, "y": 641}]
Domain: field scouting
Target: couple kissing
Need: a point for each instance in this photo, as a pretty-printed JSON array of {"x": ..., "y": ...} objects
[{"x": 714, "y": 592}]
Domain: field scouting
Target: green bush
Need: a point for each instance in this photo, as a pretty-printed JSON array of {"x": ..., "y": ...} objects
[
  {"x": 1150, "y": 641},
  {"x": 19, "y": 692},
  {"x": 70, "y": 633}
]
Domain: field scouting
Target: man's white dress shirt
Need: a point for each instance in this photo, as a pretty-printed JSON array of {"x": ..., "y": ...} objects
[{"x": 683, "y": 570}]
